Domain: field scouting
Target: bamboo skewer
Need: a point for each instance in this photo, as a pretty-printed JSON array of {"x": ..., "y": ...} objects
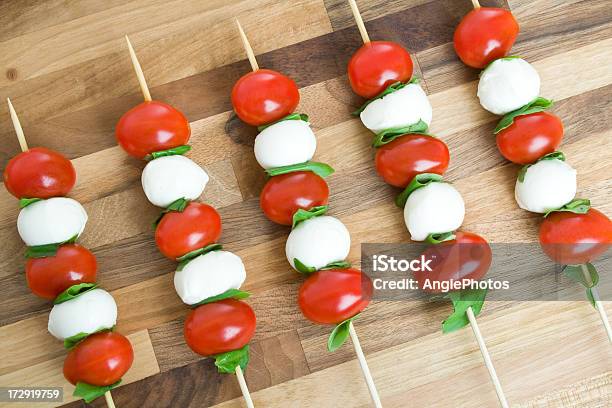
[
  {"x": 244, "y": 388},
  {"x": 598, "y": 304},
  {"x": 360, "y": 25},
  {"x": 476, "y": 4},
  {"x": 109, "y": 399},
  {"x": 247, "y": 47},
  {"x": 139, "y": 74}
]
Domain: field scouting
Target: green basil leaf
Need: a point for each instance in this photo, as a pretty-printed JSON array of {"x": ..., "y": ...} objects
[
  {"x": 24, "y": 202},
  {"x": 539, "y": 104},
  {"x": 303, "y": 215},
  {"x": 336, "y": 265},
  {"x": 339, "y": 335},
  {"x": 43, "y": 251},
  {"x": 420, "y": 180},
  {"x": 577, "y": 206},
  {"x": 227, "y": 362},
  {"x": 228, "y": 294},
  {"x": 73, "y": 292},
  {"x": 437, "y": 238},
  {"x": 590, "y": 297},
  {"x": 72, "y": 341},
  {"x": 90, "y": 392},
  {"x": 509, "y": 57},
  {"x": 396, "y": 86},
  {"x": 184, "y": 260},
  {"x": 388, "y": 135},
  {"x": 177, "y": 206},
  {"x": 301, "y": 268},
  {"x": 320, "y": 169},
  {"x": 462, "y": 300},
  {"x": 175, "y": 151},
  {"x": 294, "y": 116},
  {"x": 557, "y": 155},
  {"x": 586, "y": 275}
]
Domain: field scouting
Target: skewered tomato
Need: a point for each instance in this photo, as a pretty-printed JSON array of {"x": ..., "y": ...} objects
[
  {"x": 101, "y": 359},
  {"x": 264, "y": 96},
  {"x": 530, "y": 137},
  {"x": 332, "y": 296},
  {"x": 399, "y": 161},
  {"x": 71, "y": 265},
  {"x": 181, "y": 232},
  {"x": 40, "y": 173},
  {"x": 484, "y": 35},
  {"x": 571, "y": 239},
  {"x": 283, "y": 195},
  {"x": 376, "y": 65},
  {"x": 150, "y": 127},
  {"x": 219, "y": 327},
  {"x": 468, "y": 256}
]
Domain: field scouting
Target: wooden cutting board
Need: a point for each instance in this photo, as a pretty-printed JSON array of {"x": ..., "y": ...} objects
[{"x": 66, "y": 68}]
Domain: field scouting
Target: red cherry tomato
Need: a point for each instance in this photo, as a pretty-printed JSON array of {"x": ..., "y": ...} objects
[
  {"x": 39, "y": 173},
  {"x": 377, "y": 65},
  {"x": 484, "y": 35},
  {"x": 399, "y": 161},
  {"x": 572, "y": 239},
  {"x": 101, "y": 359},
  {"x": 50, "y": 276},
  {"x": 264, "y": 96},
  {"x": 219, "y": 327},
  {"x": 530, "y": 137},
  {"x": 332, "y": 296},
  {"x": 283, "y": 195},
  {"x": 468, "y": 256},
  {"x": 151, "y": 127},
  {"x": 181, "y": 232}
]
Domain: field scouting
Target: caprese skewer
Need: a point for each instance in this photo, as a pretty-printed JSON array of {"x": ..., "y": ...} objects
[
  {"x": 572, "y": 233},
  {"x": 206, "y": 278},
  {"x": 58, "y": 269},
  {"x": 296, "y": 195},
  {"x": 398, "y": 112}
]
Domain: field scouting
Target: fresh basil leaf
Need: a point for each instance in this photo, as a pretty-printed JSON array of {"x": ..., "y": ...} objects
[
  {"x": 294, "y": 116},
  {"x": 228, "y": 294},
  {"x": 437, "y": 238},
  {"x": 388, "y": 135},
  {"x": 339, "y": 335},
  {"x": 44, "y": 251},
  {"x": 184, "y": 260},
  {"x": 24, "y": 202},
  {"x": 462, "y": 300},
  {"x": 320, "y": 169},
  {"x": 336, "y": 265},
  {"x": 227, "y": 362},
  {"x": 175, "y": 151},
  {"x": 72, "y": 341},
  {"x": 396, "y": 86},
  {"x": 507, "y": 58},
  {"x": 539, "y": 104},
  {"x": 303, "y": 215},
  {"x": 90, "y": 392},
  {"x": 420, "y": 180},
  {"x": 73, "y": 292},
  {"x": 577, "y": 206},
  {"x": 586, "y": 275},
  {"x": 301, "y": 268},
  {"x": 178, "y": 205},
  {"x": 557, "y": 155}
]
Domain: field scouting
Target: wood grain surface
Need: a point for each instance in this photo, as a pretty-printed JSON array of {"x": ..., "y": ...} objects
[{"x": 65, "y": 66}]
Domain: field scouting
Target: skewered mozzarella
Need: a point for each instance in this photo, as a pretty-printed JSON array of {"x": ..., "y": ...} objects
[
  {"x": 547, "y": 185},
  {"x": 403, "y": 107},
  {"x": 285, "y": 143},
  {"x": 51, "y": 221},
  {"x": 436, "y": 208},
  {"x": 209, "y": 275},
  {"x": 87, "y": 313},
  {"x": 318, "y": 241},
  {"x": 169, "y": 178},
  {"x": 508, "y": 84}
]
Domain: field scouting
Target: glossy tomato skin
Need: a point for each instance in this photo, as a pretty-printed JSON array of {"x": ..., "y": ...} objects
[
  {"x": 150, "y": 127},
  {"x": 484, "y": 35},
  {"x": 530, "y": 137},
  {"x": 397, "y": 162},
  {"x": 332, "y": 296},
  {"x": 219, "y": 327},
  {"x": 178, "y": 233},
  {"x": 377, "y": 65},
  {"x": 283, "y": 195},
  {"x": 101, "y": 359},
  {"x": 39, "y": 173},
  {"x": 71, "y": 265},
  {"x": 264, "y": 96},
  {"x": 573, "y": 239},
  {"x": 451, "y": 259}
]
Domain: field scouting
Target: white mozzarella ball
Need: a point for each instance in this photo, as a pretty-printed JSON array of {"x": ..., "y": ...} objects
[
  {"x": 508, "y": 84},
  {"x": 285, "y": 143},
  {"x": 169, "y": 178},
  {"x": 404, "y": 107},
  {"x": 433, "y": 209},
  {"x": 92, "y": 311},
  {"x": 318, "y": 241},
  {"x": 51, "y": 221},
  {"x": 547, "y": 185},
  {"x": 209, "y": 275}
]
